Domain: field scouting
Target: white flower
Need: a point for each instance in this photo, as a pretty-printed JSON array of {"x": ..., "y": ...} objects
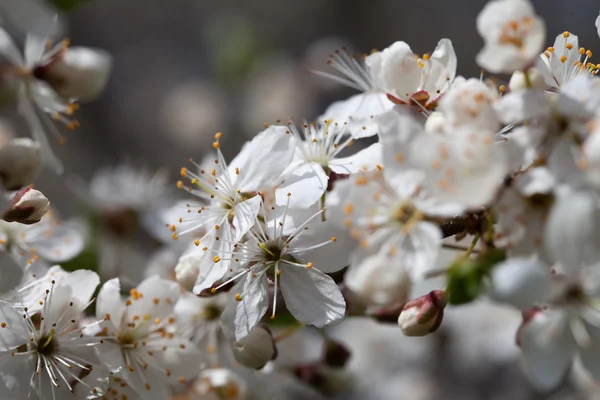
[
  {"x": 470, "y": 103},
  {"x": 139, "y": 346},
  {"x": 513, "y": 35},
  {"x": 113, "y": 189},
  {"x": 316, "y": 158},
  {"x": 50, "y": 239},
  {"x": 296, "y": 263},
  {"x": 31, "y": 16},
  {"x": 521, "y": 214},
  {"x": 38, "y": 99},
  {"x": 220, "y": 384},
  {"x": 20, "y": 163},
  {"x": 27, "y": 206},
  {"x": 199, "y": 320},
  {"x": 388, "y": 211},
  {"x": 564, "y": 61},
  {"x": 598, "y": 25},
  {"x": 47, "y": 344},
  {"x": 395, "y": 71},
  {"x": 231, "y": 192}
]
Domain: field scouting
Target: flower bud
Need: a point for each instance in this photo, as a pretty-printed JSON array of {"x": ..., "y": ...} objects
[
  {"x": 220, "y": 384},
  {"x": 424, "y": 314},
  {"x": 27, "y": 206},
  {"x": 20, "y": 163},
  {"x": 187, "y": 270},
  {"x": 256, "y": 349},
  {"x": 79, "y": 73},
  {"x": 533, "y": 80},
  {"x": 377, "y": 283},
  {"x": 435, "y": 122}
]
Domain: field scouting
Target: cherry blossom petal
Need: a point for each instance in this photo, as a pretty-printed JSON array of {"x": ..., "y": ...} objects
[
  {"x": 239, "y": 317},
  {"x": 306, "y": 184},
  {"x": 365, "y": 160},
  {"x": 311, "y": 296}
]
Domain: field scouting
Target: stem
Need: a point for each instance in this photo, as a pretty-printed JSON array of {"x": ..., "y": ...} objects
[
  {"x": 287, "y": 333},
  {"x": 527, "y": 78},
  {"x": 457, "y": 247},
  {"x": 472, "y": 247}
]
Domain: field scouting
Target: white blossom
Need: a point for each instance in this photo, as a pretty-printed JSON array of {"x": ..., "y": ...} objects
[{"x": 513, "y": 35}]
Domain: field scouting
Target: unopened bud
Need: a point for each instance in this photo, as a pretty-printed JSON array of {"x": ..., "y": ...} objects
[
  {"x": 220, "y": 383},
  {"x": 424, "y": 314},
  {"x": 336, "y": 354},
  {"x": 20, "y": 163},
  {"x": 187, "y": 270},
  {"x": 377, "y": 283},
  {"x": 435, "y": 122},
  {"x": 27, "y": 206},
  {"x": 79, "y": 73},
  {"x": 256, "y": 349},
  {"x": 520, "y": 80}
]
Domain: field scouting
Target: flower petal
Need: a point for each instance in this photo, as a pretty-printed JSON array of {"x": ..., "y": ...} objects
[
  {"x": 367, "y": 159},
  {"x": 306, "y": 185},
  {"x": 311, "y": 296},
  {"x": 520, "y": 282},
  {"x": 244, "y": 216},
  {"x": 239, "y": 317}
]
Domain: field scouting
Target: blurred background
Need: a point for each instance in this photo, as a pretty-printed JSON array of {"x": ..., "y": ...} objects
[{"x": 186, "y": 69}]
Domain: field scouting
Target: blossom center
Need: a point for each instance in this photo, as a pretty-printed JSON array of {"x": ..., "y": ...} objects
[{"x": 47, "y": 344}]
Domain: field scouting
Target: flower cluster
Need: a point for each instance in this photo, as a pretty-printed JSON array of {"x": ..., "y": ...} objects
[{"x": 311, "y": 222}]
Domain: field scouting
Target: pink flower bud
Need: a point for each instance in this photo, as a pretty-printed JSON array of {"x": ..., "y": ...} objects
[
  {"x": 27, "y": 206},
  {"x": 424, "y": 314},
  {"x": 20, "y": 163},
  {"x": 256, "y": 349}
]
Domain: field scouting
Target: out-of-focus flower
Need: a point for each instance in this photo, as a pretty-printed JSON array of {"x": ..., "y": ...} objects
[
  {"x": 275, "y": 93},
  {"x": 39, "y": 96},
  {"x": 50, "y": 239},
  {"x": 220, "y": 384},
  {"x": 513, "y": 35},
  {"x": 423, "y": 315},
  {"x": 27, "y": 206},
  {"x": 256, "y": 349},
  {"x": 20, "y": 163},
  {"x": 193, "y": 111},
  {"x": 564, "y": 61},
  {"x": 140, "y": 348}
]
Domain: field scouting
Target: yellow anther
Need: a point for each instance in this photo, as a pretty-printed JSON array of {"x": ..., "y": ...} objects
[
  {"x": 563, "y": 59},
  {"x": 588, "y": 53},
  {"x": 218, "y": 135},
  {"x": 217, "y": 227},
  {"x": 173, "y": 228},
  {"x": 216, "y": 259},
  {"x": 213, "y": 290},
  {"x": 289, "y": 194},
  {"x": 502, "y": 88},
  {"x": 237, "y": 171},
  {"x": 179, "y": 185},
  {"x": 569, "y": 46},
  {"x": 379, "y": 167},
  {"x": 334, "y": 239},
  {"x": 175, "y": 236},
  {"x": 197, "y": 242},
  {"x": 216, "y": 145},
  {"x": 550, "y": 49},
  {"x": 581, "y": 50},
  {"x": 348, "y": 208},
  {"x": 309, "y": 265},
  {"x": 566, "y": 34},
  {"x": 183, "y": 172},
  {"x": 426, "y": 56},
  {"x": 238, "y": 296}
]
